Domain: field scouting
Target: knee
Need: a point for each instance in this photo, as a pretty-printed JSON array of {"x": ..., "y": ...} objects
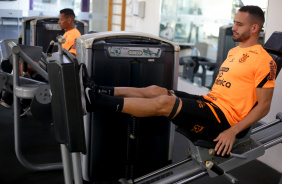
[
  {"x": 164, "y": 105},
  {"x": 155, "y": 91}
]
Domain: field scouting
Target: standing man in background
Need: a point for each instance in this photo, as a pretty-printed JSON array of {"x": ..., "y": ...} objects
[{"x": 66, "y": 21}]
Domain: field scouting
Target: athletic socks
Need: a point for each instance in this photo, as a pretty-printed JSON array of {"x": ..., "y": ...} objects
[
  {"x": 94, "y": 101},
  {"x": 107, "y": 90},
  {"x": 110, "y": 103},
  {"x": 94, "y": 96}
]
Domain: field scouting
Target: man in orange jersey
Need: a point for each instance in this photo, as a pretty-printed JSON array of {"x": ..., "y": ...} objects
[
  {"x": 241, "y": 94},
  {"x": 66, "y": 21}
]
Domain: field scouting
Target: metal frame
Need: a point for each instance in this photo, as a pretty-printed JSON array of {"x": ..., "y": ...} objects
[
  {"x": 21, "y": 91},
  {"x": 245, "y": 150},
  {"x": 71, "y": 160},
  {"x": 84, "y": 54}
]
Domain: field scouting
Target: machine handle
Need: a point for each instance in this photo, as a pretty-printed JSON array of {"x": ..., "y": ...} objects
[
  {"x": 61, "y": 39},
  {"x": 213, "y": 153},
  {"x": 231, "y": 178},
  {"x": 219, "y": 171},
  {"x": 210, "y": 165},
  {"x": 50, "y": 48},
  {"x": 15, "y": 49},
  {"x": 279, "y": 116}
]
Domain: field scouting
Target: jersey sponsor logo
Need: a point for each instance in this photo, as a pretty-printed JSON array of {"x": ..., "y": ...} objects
[
  {"x": 253, "y": 51},
  {"x": 273, "y": 68},
  {"x": 197, "y": 129},
  {"x": 244, "y": 58},
  {"x": 212, "y": 97},
  {"x": 220, "y": 74},
  {"x": 222, "y": 82},
  {"x": 224, "y": 69}
]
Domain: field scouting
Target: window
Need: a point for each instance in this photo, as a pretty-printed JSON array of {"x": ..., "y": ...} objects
[{"x": 192, "y": 21}]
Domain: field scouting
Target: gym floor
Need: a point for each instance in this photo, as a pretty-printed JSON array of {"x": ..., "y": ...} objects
[{"x": 39, "y": 146}]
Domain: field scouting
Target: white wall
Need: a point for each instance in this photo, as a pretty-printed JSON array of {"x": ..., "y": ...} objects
[
  {"x": 273, "y": 20},
  {"x": 272, "y": 157},
  {"x": 9, "y": 5},
  {"x": 150, "y": 23},
  {"x": 99, "y": 20},
  {"x": 273, "y": 23},
  {"x": 16, "y": 5}
]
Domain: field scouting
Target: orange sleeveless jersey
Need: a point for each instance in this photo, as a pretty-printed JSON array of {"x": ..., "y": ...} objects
[
  {"x": 71, "y": 37},
  {"x": 244, "y": 70}
]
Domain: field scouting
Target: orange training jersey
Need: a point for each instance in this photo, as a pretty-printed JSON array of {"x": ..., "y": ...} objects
[
  {"x": 244, "y": 70},
  {"x": 71, "y": 37}
]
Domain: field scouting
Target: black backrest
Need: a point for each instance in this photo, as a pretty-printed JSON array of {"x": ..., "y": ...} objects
[
  {"x": 34, "y": 52},
  {"x": 48, "y": 29},
  {"x": 274, "y": 47}
]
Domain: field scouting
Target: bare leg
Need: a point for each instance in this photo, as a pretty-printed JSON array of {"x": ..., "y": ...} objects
[
  {"x": 146, "y": 107},
  {"x": 147, "y": 92}
]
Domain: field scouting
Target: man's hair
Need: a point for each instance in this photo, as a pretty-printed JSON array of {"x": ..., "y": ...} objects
[
  {"x": 68, "y": 13},
  {"x": 255, "y": 13}
]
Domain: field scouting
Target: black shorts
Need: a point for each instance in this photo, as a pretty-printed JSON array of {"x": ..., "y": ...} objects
[{"x": 202, "y": 118}]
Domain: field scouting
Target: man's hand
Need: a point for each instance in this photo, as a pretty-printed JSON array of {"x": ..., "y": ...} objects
[{"x": 225, "y": 141}]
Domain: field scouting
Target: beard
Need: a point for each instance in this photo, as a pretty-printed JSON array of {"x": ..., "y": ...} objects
[{"x": 239, "y": 38}]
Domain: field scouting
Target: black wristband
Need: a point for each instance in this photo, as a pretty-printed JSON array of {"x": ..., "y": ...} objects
[{"x": 174, "y": 109}]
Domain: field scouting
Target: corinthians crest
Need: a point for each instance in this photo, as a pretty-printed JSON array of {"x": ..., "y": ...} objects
[
  {"x": 197, "y": 129},
  {"x": 243, "y": 58}
]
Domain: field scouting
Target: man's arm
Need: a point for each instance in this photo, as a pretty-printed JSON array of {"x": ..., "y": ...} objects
[
  {"x": 29, "y": 68},
  {"x": 226, "y": 138}
]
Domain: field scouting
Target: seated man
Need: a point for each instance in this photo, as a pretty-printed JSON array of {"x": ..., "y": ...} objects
[
  {"x": 66, "y": 21},
  {"x": 241, "y": 94},
  {"x": 7, "y": 97}
]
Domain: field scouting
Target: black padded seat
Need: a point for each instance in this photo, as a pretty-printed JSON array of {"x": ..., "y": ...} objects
[
  {"x": 196, "y": 142},
  {"x": 34, "y": 52}
]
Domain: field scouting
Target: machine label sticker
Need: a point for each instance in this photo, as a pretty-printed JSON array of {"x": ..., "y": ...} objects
[
  {"x": 139, "y": 52},
  {"x": 55, "y": 27}
]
